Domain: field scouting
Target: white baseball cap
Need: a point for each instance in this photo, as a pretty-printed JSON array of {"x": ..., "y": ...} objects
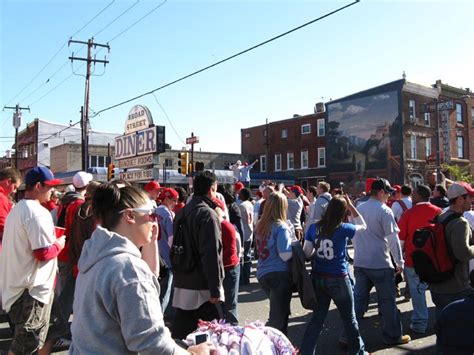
[
  {"x": 459, "y": 188},
  {"x": 81, "y": 179}
]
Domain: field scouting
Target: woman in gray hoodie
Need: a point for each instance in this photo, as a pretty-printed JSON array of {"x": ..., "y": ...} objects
[{"x": 116, "y": 302}]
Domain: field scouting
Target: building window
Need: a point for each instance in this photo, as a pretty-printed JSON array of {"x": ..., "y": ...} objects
[
  {"x": 321, "y": 128},
  {"x": 277, "y": 162},
  {"x": 472, "y": 115},
  {"x": 101, "y": 161},
  {"x": 427, "y": 119},
  {"x": 428, "y": 146},
  {"x": 413, "y": 147},
  {"x": 321, "y": 157},
  {"x": 263, "y": 163},
  {"x": 247, "y": 135},
  {"x": 264, "y": 132},
  {"x": 304, "y": 159},
  {"x": 306, "y": 128},
  {"x": 458, "y": 113},
  {"x": 284, "y": 133},
  {"x": 290, "y": 161},
  {"x": 460, "y": 144},
  {"x": 412, "y": 111},
  {"x": 168, "y": 163},
  {"x": 92, "y": 161}
]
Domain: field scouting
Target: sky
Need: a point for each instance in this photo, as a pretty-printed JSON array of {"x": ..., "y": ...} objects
[{"x": 366, "y": 45}]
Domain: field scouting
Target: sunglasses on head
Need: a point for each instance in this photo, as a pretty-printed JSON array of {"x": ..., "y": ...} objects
[{"x": 146, "y": 210}]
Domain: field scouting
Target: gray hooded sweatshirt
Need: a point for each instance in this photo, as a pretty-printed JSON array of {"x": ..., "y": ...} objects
[{"x": 116, "y": 302}]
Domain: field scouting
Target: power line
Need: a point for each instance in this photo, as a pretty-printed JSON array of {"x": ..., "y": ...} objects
[
  {"x": 58, "y": 51},
  {"x": 226, "y": 59},
  {"x": 171, "y": 124},
  {"x": 115, "y": 19}
]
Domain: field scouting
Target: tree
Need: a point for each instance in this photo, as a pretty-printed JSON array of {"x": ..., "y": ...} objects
[{"x": 458, "y": 173}]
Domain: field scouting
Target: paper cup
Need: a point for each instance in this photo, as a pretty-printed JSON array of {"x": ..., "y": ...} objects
[{"x": 59, "y": 231}]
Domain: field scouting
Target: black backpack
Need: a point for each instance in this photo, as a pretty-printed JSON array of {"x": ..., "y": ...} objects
[{"x": 183, "y": 252}]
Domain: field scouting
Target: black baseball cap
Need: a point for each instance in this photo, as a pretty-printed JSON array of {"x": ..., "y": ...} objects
[{"x": 382, "y": 184}]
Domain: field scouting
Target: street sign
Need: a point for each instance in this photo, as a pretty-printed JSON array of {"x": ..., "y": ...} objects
[
  {"x": 192, "y": 140},
  {"x": 141, "y": 160},
  {"x": 140, "y": 175}
]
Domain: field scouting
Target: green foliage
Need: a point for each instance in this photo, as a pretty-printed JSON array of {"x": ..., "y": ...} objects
[{"x": 458, "y": 173}]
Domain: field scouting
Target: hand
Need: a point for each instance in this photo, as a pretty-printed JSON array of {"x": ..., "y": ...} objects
[
  {"x": 203, "y": 348},
  {"x": 214, "y": 300},
  {"x": 398, "y": 270},
  {"x": 61, "y": 242}
]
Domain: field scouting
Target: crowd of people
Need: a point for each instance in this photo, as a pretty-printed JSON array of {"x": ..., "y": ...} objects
[{"x": 138, "y": 267}]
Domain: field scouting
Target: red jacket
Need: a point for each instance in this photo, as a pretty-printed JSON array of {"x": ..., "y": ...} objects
[
  {"x": 5, "y": 208},
  {"x": 70, "y": 213},
  {"x": 229, "y": 245},
  {"x": 412, "y": 219}
]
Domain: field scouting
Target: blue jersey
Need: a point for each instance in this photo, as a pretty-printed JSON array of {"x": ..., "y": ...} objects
[
  {"x": 330, "y": 251},
  {"x": 269, "y": 250}
]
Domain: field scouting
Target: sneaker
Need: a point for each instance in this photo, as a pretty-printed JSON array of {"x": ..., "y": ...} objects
[{"x": 404, "y": 339}]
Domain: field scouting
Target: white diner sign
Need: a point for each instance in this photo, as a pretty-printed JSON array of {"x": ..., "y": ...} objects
[
  {"x": 141, "y": 160},
  {"x": 136, "y": 143},
  {"x": 139, "y": 118}
]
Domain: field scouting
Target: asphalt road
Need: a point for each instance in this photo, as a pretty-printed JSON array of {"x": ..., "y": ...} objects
[{"x": 253, "y": 305}]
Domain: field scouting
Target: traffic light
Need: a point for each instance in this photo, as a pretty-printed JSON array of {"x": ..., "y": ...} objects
[
  {"x": 183, "y": 163},
  {"x": 199, "y": 166},
  {"x": 110, "y": 172}
]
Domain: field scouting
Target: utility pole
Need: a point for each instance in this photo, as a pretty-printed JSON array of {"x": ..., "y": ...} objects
[
  {"x": 85, "y": 111},
  {"x": 267, "y": 144},
  {"x": 16, "y": 124}
]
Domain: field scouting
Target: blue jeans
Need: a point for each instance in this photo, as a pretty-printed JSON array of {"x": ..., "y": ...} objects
[
  {"x": 384, "y": 282},
  {"x": 231, "y": 292},
  {"x": 340, "y": 291},
  {"x": 419, "y": 317},
  {"x": 441, "y": 300},
  {"x": 276, "y": 286},
  {"x": 246, "y": 263},
  {"x": 166, "y": 293}
]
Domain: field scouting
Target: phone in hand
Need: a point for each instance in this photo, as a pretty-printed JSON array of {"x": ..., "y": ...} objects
[{"x": 200, "y": 338}]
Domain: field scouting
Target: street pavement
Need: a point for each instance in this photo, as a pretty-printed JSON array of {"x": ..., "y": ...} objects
[{"x": 253, "y": 305}]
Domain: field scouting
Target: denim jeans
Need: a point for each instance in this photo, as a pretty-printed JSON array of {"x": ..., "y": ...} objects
[
  {"x": 246, "y": 263},
  {"x": 419, "y": 317},
  {"x": 441, "y": 300},
  {"x": 231, "y": 292},
  {"x": 340, "y": 291},
  {"x": 166, "y": 294},
  {"x": 384, "y": 282},
  {"x": 276, "y": 286}
]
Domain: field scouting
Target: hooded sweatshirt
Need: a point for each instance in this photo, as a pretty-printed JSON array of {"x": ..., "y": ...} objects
[{"x": 116, "y": 302}]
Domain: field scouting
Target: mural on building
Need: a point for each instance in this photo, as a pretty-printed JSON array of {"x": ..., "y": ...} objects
[{"x": 364, "y": 139}]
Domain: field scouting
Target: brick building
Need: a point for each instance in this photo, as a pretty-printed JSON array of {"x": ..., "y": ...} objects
[{"x": 291, "y": 149}]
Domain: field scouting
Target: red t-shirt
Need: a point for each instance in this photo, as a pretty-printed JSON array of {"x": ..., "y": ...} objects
[
  {"x": 229, "y": 245},
  {"x": 71, "y": 211},
  {"x": 412, "y": 219},
  {"x": 5, "y": 208},
  {"x": 49, "y": 205}
]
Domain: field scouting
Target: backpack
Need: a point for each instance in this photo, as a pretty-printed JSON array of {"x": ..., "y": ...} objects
[
  {"x": 432, "y": 259},
  {"x": 183, "y": 251}
]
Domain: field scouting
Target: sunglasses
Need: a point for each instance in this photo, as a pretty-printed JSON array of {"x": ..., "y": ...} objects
[{"x": 150, "y": 212}]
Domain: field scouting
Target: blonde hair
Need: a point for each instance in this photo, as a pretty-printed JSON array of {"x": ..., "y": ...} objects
[{"x": 274, "y": 211}]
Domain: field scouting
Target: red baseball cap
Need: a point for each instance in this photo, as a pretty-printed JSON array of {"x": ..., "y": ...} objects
[
  {"x": 152, "y": 185},
  {"x": 368, "y": 184},
  {"x": 169, "y": 193},
  {"x": 397, "y": 188},
  {"x": 238, "y": 186}
]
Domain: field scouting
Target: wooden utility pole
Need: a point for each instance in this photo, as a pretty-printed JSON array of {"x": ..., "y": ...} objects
[
  {"x": 16, "y": 124},
  {"x": 85, "y": 111}
]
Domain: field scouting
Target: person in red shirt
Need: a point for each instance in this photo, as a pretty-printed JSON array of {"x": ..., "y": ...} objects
[
  {"x": 418, "y": 216},
  {"x": 53, "y": 201},
  {"x": 10, "y": 180},
  {"x": 181, "y": 199}
]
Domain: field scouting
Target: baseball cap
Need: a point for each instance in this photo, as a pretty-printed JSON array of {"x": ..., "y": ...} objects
[
  {"x": 296, "y": 189},
  {"x": 81, "y": 179},
  {"x": 459, "y": 188},
  {"x": 397, "y": 188},
  {"x": 152, "y": 185},
  {"x": 368, "y": 184},
  {"x": 43, "y": 175},
  {"x": 169, "y": 193},
  {"x": 238, "y": 186},
  {"x": 382, "y": 184}
]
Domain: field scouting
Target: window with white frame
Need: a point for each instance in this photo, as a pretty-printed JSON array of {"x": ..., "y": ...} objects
[
  {"x": 284, "y": 133},
  {"x": 413, "y": 147},
  {"x": 277, "y": 162},
  {"x": 428, "y": 146},
  {"x": 460, "y": 144},
  {"x": 321, "y": 157},
  {"x": 412, "y": 110},
  {"x": 427, "y": 119},
  {"x": 247, "y": 135},
  {"x": 306, "y": 128},
  {"x": 263, "y": 163},
  {"x": 97, "y": 161},
  {"x": 321, "y": 128},
  {"x": 458, "y": 113},
  {"x": 290, "y": 161},
  {"x": 168, "y": 163},
  {"x": 304, "y": 159}
]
